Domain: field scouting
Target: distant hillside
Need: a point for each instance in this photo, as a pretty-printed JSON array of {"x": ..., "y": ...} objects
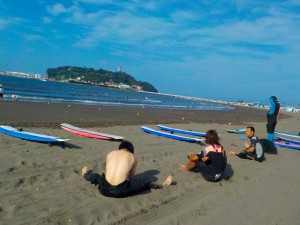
[{"x": 96, "y": 77}]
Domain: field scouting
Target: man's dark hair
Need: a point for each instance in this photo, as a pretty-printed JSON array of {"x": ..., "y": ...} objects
[
  {"x": 252, "y": 129},
  {"x": 127, "y": 145}
]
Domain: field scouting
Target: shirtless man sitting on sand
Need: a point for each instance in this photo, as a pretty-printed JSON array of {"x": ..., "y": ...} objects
[{"x": 118, "y": 180}]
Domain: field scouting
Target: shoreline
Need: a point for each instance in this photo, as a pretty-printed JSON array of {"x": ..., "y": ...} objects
[{"x": 31, "y": 114}]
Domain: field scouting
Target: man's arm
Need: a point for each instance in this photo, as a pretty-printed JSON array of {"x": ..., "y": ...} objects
[
  {"x": 250, "y": 149},
  {"x": 133, "y": 169}
]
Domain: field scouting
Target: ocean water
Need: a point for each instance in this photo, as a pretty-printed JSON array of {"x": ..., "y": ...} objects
[{"x": 33, "y": 90}]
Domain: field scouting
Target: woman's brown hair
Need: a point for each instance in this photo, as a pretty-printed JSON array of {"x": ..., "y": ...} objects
[{"x": 212, "y": 137}]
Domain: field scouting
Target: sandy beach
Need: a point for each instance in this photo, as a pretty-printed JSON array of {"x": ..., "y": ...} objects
[{"x": 41, "y": 184}]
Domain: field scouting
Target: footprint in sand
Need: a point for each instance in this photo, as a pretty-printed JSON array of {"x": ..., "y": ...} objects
[
  {"x": 11, "y": 169},
  {"x": 61, "y": 175},
  {"x": 19, "y": 182},
  {"x": 32, "y": 180}
]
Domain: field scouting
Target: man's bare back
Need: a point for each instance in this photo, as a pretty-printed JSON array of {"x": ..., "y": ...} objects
[{"x": 120, "y": 166}]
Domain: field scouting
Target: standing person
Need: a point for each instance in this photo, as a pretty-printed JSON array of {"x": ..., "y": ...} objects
[
  {"x": 1, "y": 91},
  {"x": 15, "y": 97},
  {"x": 211, "y": 161},
  {"x": 254, "y": 150},
  {"x": 118, "y": 180},
  {"x": 272, "y": 117}
]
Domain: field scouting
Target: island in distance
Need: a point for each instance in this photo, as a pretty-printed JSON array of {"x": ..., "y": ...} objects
[{"x": 104, "y": 78}]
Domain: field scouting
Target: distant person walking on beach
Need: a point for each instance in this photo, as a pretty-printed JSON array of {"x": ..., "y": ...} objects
[
  {"x": 118, "y": 180},
  {"x": 1, "y": 91},
  {"x": 272, "y": 117},
  {"x": 254, "y": 150},
  {"x": 15, "y": 97},
  {"x": 211, "y": 162}
]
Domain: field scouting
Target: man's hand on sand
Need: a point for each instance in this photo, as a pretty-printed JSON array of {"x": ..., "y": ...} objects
[
  {"x": 84, "y": 170},
  {"x": 231, "y": 153}
]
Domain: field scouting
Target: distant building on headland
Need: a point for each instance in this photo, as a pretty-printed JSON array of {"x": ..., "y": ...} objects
[
  {"x": 20, "y": 74},
  {"x": 119, "y": 69}
]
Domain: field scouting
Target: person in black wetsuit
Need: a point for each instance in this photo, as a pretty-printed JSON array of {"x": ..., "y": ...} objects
[
  {"x": 254, "y": 150},
  {"x": 211, "y": 162},
  {"x": 272, "y": 117},
  {"x": 118, "y": 180},
  {"x": 1, "y": 91}
]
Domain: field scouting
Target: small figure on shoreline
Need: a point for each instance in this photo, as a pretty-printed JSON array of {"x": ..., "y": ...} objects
[
  {"x": 118, "y": 180},
  {"x": 15, "y": 97},
  {"x": 1, "y": 91}
]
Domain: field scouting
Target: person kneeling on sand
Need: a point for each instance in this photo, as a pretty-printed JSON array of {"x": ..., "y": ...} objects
[
  {"x": 118, "y": 180},
  {"x": 254, "y": 150},
  {"x": 211, "y": 162}
]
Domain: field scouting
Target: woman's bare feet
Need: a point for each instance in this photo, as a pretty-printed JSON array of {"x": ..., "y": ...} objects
[
  {"x": 182, "y": 167},
  {"x": 190, "y": 165},
  {"x": 84, "y": 170},
  {"x": 231, "y": 153},
  {"x": 168, "y": 181}
]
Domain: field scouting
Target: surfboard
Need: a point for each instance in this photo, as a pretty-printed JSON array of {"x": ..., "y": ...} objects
[
  {"x": 174, "y": 130},
  {"x": 172, "y": 136},
  {"x": 30, "y": 136},
  {"x": 89, "y": 133},
  {"x": 287, "y": 145},
  {"x": 237, "y": 131},
  {"x": 287, "y": 134},
  {"x": 288, "y": 140}
]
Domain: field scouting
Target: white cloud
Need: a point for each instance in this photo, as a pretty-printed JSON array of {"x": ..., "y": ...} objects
[
  {"x": 31, "y": 37},
  {"x": 57, "y": 9},
  {"x": 180, "y": 34},
  {"x": 46, "y": 20},
  {"x": 96, "y": 1},
  {"x": 4, "y": 23},
  {"x": 124, "y": 28}
]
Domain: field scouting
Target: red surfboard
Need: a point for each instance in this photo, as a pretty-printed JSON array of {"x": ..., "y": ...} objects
[{"x": 89, "y": 133}]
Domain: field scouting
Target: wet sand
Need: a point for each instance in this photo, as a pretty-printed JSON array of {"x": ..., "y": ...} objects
[{"x": 51, "y": 115}]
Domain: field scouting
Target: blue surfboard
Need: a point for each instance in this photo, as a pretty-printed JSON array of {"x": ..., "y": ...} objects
[
  {"x": 30, "y": 136},
  {"x": 287, "y": 134},
  {"x": 172, "y": 136},
  {"x": 288, "y": 140},
  {"x": 174, "y": 130},
  {"x": 287, "y": 145},
  {"x": 238, "y": 131}
]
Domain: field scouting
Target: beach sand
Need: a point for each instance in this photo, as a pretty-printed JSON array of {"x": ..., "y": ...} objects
[{"x": 41, "y": 184}]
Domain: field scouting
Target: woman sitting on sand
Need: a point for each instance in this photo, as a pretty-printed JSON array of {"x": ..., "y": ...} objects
[{"x": 211, "y": 162}]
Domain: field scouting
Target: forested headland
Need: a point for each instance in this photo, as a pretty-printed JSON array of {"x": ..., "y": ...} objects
[{"x": 90, "y": 76}]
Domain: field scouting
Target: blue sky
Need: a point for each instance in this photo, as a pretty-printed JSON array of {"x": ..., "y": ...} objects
[{"x": 228, "y": 50}]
